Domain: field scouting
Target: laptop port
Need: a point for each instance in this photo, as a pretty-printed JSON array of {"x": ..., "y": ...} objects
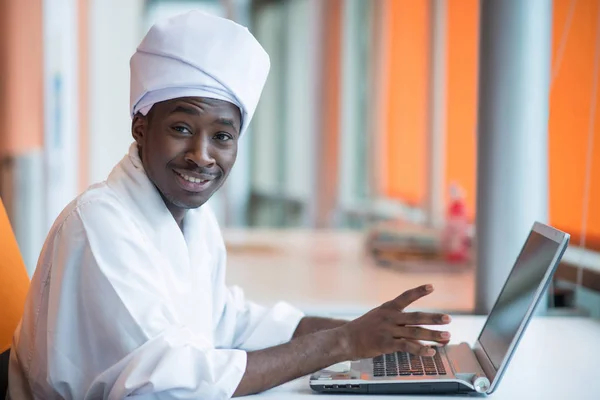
[
  {"x": 354, "y": 386},
  {"x": 342, "y": 386},
  {"x": 328, "y": 387}
]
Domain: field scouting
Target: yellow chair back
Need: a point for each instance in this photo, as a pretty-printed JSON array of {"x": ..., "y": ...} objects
[{"x": 14, "y": 281}]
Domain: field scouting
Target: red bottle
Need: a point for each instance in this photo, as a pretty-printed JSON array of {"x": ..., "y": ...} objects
[{"x": 456, "y": 232}]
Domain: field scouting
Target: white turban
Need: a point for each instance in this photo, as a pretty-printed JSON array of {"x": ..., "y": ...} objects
[{"x": 198, "y": 55}]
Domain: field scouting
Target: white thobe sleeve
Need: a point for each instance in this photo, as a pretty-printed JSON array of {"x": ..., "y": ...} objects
[
  {"x": 113, "y": 332},
  {"x": 243, "y": 324}
]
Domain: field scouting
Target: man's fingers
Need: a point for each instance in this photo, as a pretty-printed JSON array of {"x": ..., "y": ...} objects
[
  {"x": 422, "y": 318},
  {"x": 414, "y": 347},
  {"x": 410, "y": 296},
  {"x": 418, "y": 333},
  {"x": 423, "y": 345}
]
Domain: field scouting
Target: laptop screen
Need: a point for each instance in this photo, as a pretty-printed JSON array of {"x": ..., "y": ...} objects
[{"x": 517, "y": 296}]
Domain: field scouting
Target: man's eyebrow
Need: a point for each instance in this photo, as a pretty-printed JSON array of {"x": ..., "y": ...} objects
[
  {"x": 225, "y": 121},
  {"x": 186, "y": 110},
  {"x": 195, "y": 112}
]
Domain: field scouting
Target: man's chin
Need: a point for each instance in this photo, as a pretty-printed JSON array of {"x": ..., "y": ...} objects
[
  {"x": 187, "y": 200},
  {"x": 184, "y": 199},
  {"x": 190, "y": 204}
]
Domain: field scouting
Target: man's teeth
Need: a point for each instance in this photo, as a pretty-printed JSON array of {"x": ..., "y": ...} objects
[{"x": 191, "y": 179}]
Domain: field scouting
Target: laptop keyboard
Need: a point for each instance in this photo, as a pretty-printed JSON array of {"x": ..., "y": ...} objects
[{"x": 404, "y": 364}]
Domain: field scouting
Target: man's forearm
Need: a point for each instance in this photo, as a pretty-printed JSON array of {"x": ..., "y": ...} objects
[
  {"x": 310, "y": 325},
  {"x": 301, "y": 356}
]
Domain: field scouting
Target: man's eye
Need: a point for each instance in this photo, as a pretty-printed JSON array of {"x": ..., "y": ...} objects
[
  {"x": 182, "y": 129},
  {"x": 223, "y": 137}
]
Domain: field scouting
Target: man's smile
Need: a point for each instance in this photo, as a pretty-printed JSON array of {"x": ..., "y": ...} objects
[{"x": 193, "y": 182}]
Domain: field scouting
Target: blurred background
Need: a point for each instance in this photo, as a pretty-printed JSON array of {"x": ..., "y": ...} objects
[{"x": 362, "y": 156}]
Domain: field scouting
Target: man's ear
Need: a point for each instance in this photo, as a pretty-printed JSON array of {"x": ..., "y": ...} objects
[{"x": 139, "y": 128}]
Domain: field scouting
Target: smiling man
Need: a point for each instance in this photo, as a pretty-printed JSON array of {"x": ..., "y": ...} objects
[{"x": 129, "y": 296}]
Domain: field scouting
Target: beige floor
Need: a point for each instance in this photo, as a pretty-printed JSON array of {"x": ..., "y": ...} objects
[{"x": 327, "y": 273}]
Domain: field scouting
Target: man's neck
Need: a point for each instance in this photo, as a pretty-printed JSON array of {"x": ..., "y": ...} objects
[{"x": 178, "y": 213}]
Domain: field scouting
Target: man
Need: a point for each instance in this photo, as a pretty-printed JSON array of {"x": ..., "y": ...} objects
[{"x": 129, "y": 295}]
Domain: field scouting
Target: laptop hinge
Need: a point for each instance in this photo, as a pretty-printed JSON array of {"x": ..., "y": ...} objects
[
  {"x": 484, "y": 362},
  {"x": 467, "y": 367}
]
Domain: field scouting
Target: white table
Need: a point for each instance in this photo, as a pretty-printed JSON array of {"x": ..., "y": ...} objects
[{"x": 558, "y": 358}]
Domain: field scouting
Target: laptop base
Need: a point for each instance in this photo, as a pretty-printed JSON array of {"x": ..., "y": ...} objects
[
  {"x": 395, "y": 388},
  {"x": 463, "y": 375}
]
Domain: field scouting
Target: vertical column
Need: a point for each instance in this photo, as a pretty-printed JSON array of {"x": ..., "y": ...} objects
[
  {"x": 378, "y": 76},
  {"x": 115, "y": 29},
  {"x": 512, "y": 164},
  {"x": 236, "y": 191},
  {"x": 61, "y": 105},
  {"x": 83, "y": 92},
  {"x": 352, "y": 168},
  {"x": 315, "y": 55},
  {"x": 328, "y": 149},
  {"x": 437, "y": 117}
]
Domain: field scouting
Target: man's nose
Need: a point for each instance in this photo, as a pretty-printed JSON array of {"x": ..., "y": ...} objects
[{"x": 199, "y": 152}]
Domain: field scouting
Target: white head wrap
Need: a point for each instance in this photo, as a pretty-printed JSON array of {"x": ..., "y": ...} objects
[{"x": 198, "y": 55}]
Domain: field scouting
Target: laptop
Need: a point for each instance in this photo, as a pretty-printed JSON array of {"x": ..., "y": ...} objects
[{"x": 462, "y": 368}]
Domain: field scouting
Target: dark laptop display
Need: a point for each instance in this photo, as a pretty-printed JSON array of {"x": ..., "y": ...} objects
[{"x": 517, "y": 296}]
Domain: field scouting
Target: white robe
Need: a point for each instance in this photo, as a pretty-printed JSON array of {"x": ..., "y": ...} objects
[{"x": 123, "y": 303}]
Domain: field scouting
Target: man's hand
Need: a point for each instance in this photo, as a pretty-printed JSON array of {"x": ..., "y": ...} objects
[
  {"x": 387, "y": 329},
  {"x": 318, "y": 343}
]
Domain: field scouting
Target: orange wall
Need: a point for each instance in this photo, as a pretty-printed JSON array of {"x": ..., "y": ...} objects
[
  {"x": 406, "y": 95},
  {"x": 570, "y": 106},
  {"x": 21, "y": 76},
  {"x": 3, "y": 69},
  {"x": 461, "y": 97},
  {"x": 570, "y": 103}
]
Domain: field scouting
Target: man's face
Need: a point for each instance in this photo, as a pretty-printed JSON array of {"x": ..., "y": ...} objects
[{"x": 188, "y": 147}]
